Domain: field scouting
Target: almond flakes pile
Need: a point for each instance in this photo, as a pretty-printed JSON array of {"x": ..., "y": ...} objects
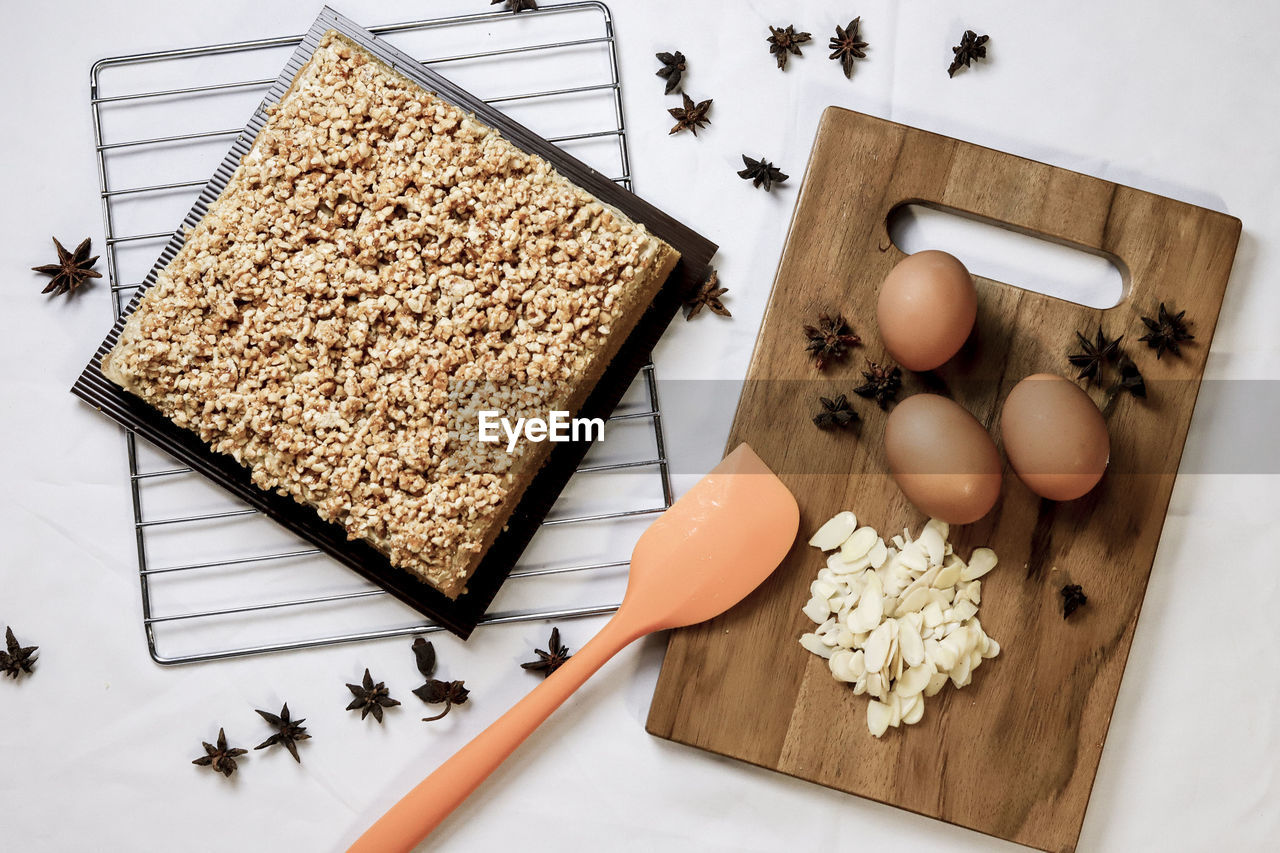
[{"x": 897, "y": 621}]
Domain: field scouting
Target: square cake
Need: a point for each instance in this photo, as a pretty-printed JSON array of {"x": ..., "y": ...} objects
[{"x": 379, "y": 269}]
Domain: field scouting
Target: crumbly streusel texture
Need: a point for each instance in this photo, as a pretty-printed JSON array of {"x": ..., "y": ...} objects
[{"x": 379, "y": 269}]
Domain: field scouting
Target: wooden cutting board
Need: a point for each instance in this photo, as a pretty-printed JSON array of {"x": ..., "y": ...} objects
[{"x": 1014, "y": 754}]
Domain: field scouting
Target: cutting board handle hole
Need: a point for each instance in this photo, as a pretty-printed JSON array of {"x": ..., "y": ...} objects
[{"x": 995, "y": 251}]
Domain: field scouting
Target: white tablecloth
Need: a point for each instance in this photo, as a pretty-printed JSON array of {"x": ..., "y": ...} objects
[{"x": 1176, "y": 97}]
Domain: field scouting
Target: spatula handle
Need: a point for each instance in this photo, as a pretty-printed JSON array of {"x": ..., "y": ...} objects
[{"x": 426, "y": 806}]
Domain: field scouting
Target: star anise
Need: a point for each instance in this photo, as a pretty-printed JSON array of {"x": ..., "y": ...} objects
[
  {"x": 518, "y": 5},
  {"x": 972, "y": 46},
  {"x": 836, "y": 414},
  {"x": 220, "y": 758},
  {"x": 435, "y": 691},
  {"x": 691, "y": 116},
  {"x": 882, "y": 383},
  {"x": 1095, "y": 355},
  {"x": 449, "y": 692},
  {"x": 550, "y": 659},
  {"x": 72, "y": 269},
  {"x": 784, "y": 42},
  {"x": 761, "y": 173},
  {"x": 672, "y": 70},
  {"x": 1166, "y": 332},
  {"x": 847, "y": 45},
  {"x": 830, "y": 339},
  {"x": 370, "y": 698},
  {"x": 424, "y": 654},
  {"x": 1130, "y": 377},
  {"x": 708, "y": 295},
  {"x": 1073, "y": 598},
  {"x": 288, "y": 731},
  {"x": 16, "y": 660}
]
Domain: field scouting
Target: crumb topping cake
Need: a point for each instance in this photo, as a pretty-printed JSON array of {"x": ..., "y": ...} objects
[{"x": 381, "y": 267}]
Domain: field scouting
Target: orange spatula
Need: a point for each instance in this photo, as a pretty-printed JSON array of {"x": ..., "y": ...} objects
[{"x": 702, "y": 556}]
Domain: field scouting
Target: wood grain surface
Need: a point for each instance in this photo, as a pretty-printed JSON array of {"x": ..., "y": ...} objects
[{"x": 1014, "y": 754}]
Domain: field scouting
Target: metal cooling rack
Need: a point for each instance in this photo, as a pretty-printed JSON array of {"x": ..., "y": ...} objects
[{"x": 142, "y": 124}]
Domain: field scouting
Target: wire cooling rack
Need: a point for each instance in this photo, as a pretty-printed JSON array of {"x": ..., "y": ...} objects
[{"x": 218, "y": 579}]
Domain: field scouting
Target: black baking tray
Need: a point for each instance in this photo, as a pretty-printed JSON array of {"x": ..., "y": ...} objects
[{"x": 460, "y": 615}]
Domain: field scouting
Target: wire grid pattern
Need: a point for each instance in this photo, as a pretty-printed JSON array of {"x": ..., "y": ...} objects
[{"x": 149, "y": 518}]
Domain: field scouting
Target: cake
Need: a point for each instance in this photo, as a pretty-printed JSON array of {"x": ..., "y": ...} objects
[{"x": 379, "y": 269}]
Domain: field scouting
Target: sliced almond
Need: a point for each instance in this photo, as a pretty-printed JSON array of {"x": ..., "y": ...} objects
[
  {"x": 911, "y": 643},
  {"x": 932, "y": 651},
  {"x": 878, "y": 716},
  {"x": 838, "y": 663},
  {"x": 948, "y": 575},
  {"x": 842, "y": 568},
  {"x": 914, "y": 680},
  {"x": 944, "y": 657},
  {"x": 960, "y": 674},
  {"x": 895, "y": 580},
  {"x": 944, "y": 529},
  {"x": 981, "y": 561},
  {"x": 867, "y": 615},
  {"x": 894, "y": 702},
  {"x": 958, "y": 642},
  {"x": 933, "y": 544},
  {"x": 852, "y": 593},
  {"x": 822, "y": 589},
  {"x": 832, "y": 534},
  {"x": 817, "y": 609},
  {"x": 878, "y": 554},
  {"x": 813, "y": 643},
  {"x": 963, "y": 610},
  {"x": 877, "y": 648},
  {"x": 936, "y": 682},
  {"x": 858, "y": 664},
  {"x": 993, "y": 648},
  {"x": 894, "y": 660},
  {"x": 916, "y": 714},
  {"x": 942, "y": 597},
  {"x": 921, "y": 582},
  {"x": 859, "y": 543},
  {"x": 932, "y": 614},
  {"x": 913, "y": 557}
]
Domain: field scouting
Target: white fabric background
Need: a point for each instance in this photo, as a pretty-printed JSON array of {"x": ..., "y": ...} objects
[{"x": 1174, "y": 97}]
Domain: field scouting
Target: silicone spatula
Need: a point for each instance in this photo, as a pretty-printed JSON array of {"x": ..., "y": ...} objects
[{"x": 702, "y": 556}]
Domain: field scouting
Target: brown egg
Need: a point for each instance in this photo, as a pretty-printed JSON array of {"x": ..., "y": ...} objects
[
  {"x": 926, "y": 309},
  {"x": 942, "y": 458},
  {"x": 1055, "y": 437}
]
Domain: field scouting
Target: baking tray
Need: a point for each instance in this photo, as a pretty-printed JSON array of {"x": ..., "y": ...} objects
[{"x": 460, "y": 615}]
